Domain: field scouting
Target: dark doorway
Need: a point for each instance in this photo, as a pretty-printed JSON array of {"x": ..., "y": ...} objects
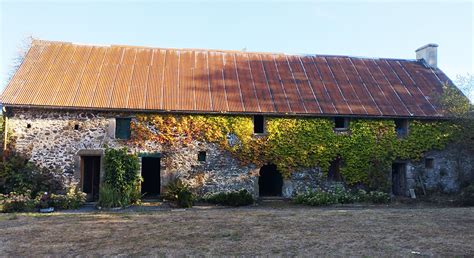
[
  {"x": 151, "y": 176},
  {"x": 334, "y": 173},
  {"x": 398, "y": 178},
  {"x": 270, "y": 181},
  {"x": 91, "y": 176}
]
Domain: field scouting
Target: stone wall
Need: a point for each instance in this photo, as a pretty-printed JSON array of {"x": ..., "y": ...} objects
[
  {"x": 56, "y": 140},
  {"x": 51, "y": 139},
  {"x": 451, "y": 168}
]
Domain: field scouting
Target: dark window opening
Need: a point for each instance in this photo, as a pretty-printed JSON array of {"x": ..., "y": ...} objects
[
  {"x": 341, "y": 123},
  {"x": 76, "y": 127},
  {"x": 258, "y": 124},
  {"x": 122, "y": 128},
  {"x": 270, "y": 181},
  {"x": 401, "y": 127},
  {"x": 202, "y": 156},
  {"x": 334, "y": 173},
  {"x": 399, "y": 179},
  {"x": 28, "y": 125},
  {"x": 429, "y": 163}
]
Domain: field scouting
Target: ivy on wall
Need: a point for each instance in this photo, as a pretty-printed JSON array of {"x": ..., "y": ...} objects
[{"x": 294, "y": 143}]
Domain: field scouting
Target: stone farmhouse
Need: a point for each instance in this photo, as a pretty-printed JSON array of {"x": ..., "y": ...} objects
[{"x": 67, "y": 102}]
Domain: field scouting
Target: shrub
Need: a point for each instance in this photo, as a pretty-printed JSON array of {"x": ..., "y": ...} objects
[
  {"x": 316, "y": 198},
  {"x": 466, "y": 198},
  {"x": 121, "y": 169},
  {"x": 378, "y": 197},
  {"x": 75, "y": 197},
  {"x": 111, "y": 197},
  {"x": 185, "y": 198},
  {"x": 58, "y": 201},
  {"x": 16, "y": 202},
  {"x": 341, "y": 196},
  {"x": 372, "y": 197},
  {"x": 177, "y": 191},
  {"x": 136, "y": 195},
  {"x": 334, "y": 196},
  {"x": 21, "y": 176},
  {"x": 174, "y": 186},
  {"x": 235, "y": 198},
  {"x": 121, "y": 179}
]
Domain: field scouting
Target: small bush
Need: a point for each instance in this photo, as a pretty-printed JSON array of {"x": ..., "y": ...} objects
[
  {"x": 185, "y": 199},
  {"x": 316, "y": 198},
  {"x": 466, "y": 198},
  {"x": 15, "y": 202},
  {"x": 135, "y": 195},
  {"x": 177, "y": 191},
  {"x": 58, "y": 202},
  {"x": 75, "y": 197},
  {"x": 341, "y": 196},
  {"x": 172, "y": 189},
  {"x": 110, "y": 197},
  {"x": 378, "y": 197},
  {"x": 235, "y": 198}
]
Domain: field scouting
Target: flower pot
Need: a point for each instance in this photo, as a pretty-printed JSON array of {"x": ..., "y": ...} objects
[{"x": 46, "y": 210}]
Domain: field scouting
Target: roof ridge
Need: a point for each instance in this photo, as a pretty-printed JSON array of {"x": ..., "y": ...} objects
[
  {"x": 45, "y": 42},
  {"x": 35, "y": 41}
]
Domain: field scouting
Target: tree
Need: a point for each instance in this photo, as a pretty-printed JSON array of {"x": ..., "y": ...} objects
[
  {"x": 466, "y": 84},
  {"x": 23, "y": 48},
  {"x": 456, "y": 104}
]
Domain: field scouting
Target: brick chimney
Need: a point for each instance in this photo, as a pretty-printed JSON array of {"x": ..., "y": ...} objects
[{"x": 429, "y": 53}]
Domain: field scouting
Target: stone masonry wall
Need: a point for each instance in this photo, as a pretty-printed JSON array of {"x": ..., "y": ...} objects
[
  {"x": 50, "y": 139},
  {"x": 451, "y": 168},
  {"x": 56, "y": 139},
  {"x": 308, "y": 180}
]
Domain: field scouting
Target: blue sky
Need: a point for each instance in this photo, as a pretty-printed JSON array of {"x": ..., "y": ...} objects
[{"x": 374, "y": 29}]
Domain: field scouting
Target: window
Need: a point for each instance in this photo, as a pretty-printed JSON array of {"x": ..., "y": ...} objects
[
  {"x": 202, "y": 156},
  {"x": 429, "y": 163},
  {"x": 401, "y": 127},
  {"x": 76, "y": 127},
  {"x": 122, "y": 128},
  {"x": 334, "y": 173},
  {"x": 341, "y": 123},
  {"x": 258, "y": 124}
]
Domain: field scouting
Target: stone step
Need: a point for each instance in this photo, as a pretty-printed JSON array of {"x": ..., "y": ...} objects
[
  {"x": 90, "y": 204},
  {"x": 152, "y": 200},
  {"x": 273, "y": 199}
]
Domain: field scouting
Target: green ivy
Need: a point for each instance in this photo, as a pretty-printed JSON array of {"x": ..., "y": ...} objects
[
  {"x": 121, "y": 170},
  {"x": 367, "y": 149}
]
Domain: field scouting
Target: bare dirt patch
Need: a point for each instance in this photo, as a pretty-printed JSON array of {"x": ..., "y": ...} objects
[{"x": 244, "y": 231}]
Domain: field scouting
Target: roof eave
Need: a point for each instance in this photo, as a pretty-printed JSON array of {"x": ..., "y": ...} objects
[{"x": 159, "y": 111}]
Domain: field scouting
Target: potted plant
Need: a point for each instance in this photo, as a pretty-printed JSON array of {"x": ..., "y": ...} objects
[{"x": 44, "y": 202}]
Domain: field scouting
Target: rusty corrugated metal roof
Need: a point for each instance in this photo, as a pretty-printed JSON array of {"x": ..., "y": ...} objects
[{"x": 66, "y": 75}]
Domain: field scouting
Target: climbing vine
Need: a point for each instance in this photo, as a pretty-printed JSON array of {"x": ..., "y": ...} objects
[{"x": 294, "y": 143}]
